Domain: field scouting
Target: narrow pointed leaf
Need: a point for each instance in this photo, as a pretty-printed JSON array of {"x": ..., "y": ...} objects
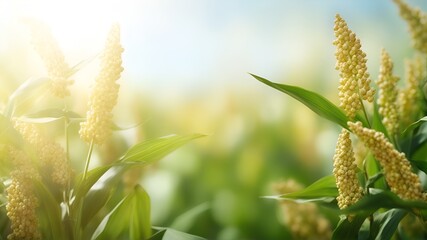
[
  {"x": 26, "y": 92},
  {"x": 385, "y": 224},
  {"x": 172, "y": 234},
  {"x": 312, "y": 100},
  {"x": 50, "y": 115},
  {"x": 415, "y": 124},
  {"x": 131, "y": 215},
  {"x": 323, "y": 189},
  {"x": 50, "y": 213},
  {"x": 153, "y": 150},
  {"x": 383, "y": 199},
  {"x": 185, "y": 221},
  {"x": 348, "y": 228}
]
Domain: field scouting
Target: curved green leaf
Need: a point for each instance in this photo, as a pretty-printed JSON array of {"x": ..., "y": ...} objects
[
  {"x": 49, "y": 213},
  {"x": 132, "y": 214},
  {"x": 312, "y": 100},
  {"x": 383, "y": 199},
  {"x": 153, "y": 150},
  {"x": 51, "y": 115},
  {"x": 25, "y": 93},
  {"x": 385, "y": 224},
  {"x": 415, "y": 124},
  {"x": 348, "y": 227},
  {"x": 323, "y": 190},
  {"x": 186, "y": 220},
  {"x": 171, "y": 234}
]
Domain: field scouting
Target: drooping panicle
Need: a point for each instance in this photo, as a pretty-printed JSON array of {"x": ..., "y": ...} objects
[
  {"x": 97, "y": 127},
  {"x": 351, "y": 62},
  {"x": 22, "y": 201},
  {"x": 345, "y": 172},
  {"x": 397, "y": 169},
  {"x": 417, "y": 23},
  {"x": 49, "y": 51},
  {"x": 387, "y": 94}
]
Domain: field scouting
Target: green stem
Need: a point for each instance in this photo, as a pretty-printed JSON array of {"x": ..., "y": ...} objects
[
  {"x": 88, "y": 160},
  {"x": 364, "y": 112}
]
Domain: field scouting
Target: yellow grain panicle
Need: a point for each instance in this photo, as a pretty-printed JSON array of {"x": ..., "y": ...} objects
[
  {"x": 397, "y": 169},
  {"x": 97, "y": 127},
  {"x": 351, "y": 62},
  {"x": 22, "y": 201},
  {"x": 409, "y": 98},
  {"x": 49, "y": 51},
  {"x": 417, "y": 22},
  {"x": 387, "y": 95},
  {"x": 52, "y": 157},
  {"x": 349, "y": 190},
  {"x": 303, "y": 219}
]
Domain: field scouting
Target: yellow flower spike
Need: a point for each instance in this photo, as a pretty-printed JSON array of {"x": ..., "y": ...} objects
[
  {"x": 397, "y": 169},
  {"x": 51, "y": 155},
  {"x": 417, "y": 22},
  {"x": 351, "y": 62},
  {"x": 349, "y": 190},
  {"x": 49, "y": 51},
  {"x": 408, "y": 99},
  {"x": 97, "y": 127},
  {"x": 388, "y": 94},
  {"x": 22, "y": 202}
]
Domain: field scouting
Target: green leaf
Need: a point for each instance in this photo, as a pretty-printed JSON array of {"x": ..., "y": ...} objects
[
  {"x": 372, "y": 180},
  {"x": 158, "y": 235},
  {"x": 323, "y": 190},
  {"x": 185, "y": 221},
  {"x": 131, "y": 214},
  {"x": 104, "y": 179},
  {"x": 348, "y": 228},
  {"x": 81, "y": 64},
  {"x": 51, "y": 115},
  {"x": 385, "y": 224},
  {"x": 415, "y": 124},
  {"x": 153, "y": 150},
  {"x": 172, "y": 234},
  {"x": 383, "y": 199},
  {"x": 100, "y": 193},
  {"x": 312, "y": 100},
  {"x": 377, "y": 123},
  {"x": 92, "y": 176},
  {"x": 26, "y": 93},
  {"x": 49, "y": 213}
]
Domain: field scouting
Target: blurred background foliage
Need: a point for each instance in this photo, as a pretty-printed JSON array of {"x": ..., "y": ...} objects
[{"x": 186, "y": 65}]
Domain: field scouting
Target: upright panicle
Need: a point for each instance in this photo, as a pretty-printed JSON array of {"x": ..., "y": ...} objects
[
  {"x": 410, "y": 97},
  {"x": 387, "y": 96},
  {"x": 351, "y": 62},
  {"x": 49, "y": 51},
  {"x": 345, "y": 172},
  {"x": 97, "y": 127},
  {"x": 417, "y": 22}
]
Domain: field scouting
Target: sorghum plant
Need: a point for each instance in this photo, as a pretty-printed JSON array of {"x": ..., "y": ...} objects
[
  {"x": 378, "y": 193},
  {"x": 43, "y": 194}
]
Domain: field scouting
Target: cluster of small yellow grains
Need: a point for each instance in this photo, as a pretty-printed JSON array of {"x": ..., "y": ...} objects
[
  {"x": 53, "y": 58},
  {"x": 351, "y": 62},
  {"x": 22, "y": 202},
  {"x": 97, "y": 127},
  {"x": 303, "y": 219},
  {"x": 397, "y": 169},
  {"x": 409, "y": 97},
  {"x": 49, "y": 152},
  {"x": 345, "y": 172},
  {"x": 387, "y": 96},
  {"x": 417, "y": 22}
]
